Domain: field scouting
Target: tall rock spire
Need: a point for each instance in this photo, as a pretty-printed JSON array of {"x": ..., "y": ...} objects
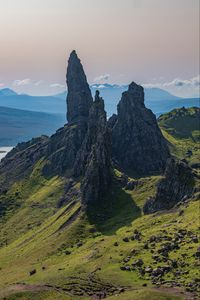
[
  {"x": 138, "y": 145},
  {"x": 79, "y": 98}
]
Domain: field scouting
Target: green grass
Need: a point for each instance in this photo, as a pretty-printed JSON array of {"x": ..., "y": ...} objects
[
  {"x": 182, "y": 123},
  {"x": 45, "y": 245},
  {"x": 181, "y": 128},
  {"x": 77, "y": 252}
]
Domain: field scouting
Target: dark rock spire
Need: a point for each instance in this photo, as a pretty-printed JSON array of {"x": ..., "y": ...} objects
[
  {"x": 138, "y": 144},
  {"x": 94, "y": 158},
  {"x": 79, "y": 97}
]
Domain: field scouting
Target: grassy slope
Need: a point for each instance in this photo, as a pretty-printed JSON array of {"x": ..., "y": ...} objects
[
  {"x": 181, "y": 128},
  {"x": 36, "y": 239}
]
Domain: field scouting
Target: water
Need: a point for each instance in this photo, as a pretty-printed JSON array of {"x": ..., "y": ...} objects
[{"x": 4, "y": 151}]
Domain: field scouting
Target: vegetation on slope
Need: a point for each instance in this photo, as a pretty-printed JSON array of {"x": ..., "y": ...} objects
[
  {"x": 108, "y": 251},
  {"x": 181, "y": 127}
]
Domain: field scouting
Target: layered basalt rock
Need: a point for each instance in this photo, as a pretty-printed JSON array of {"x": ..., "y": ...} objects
[
  {"x": 177, "y": 183},
  {"x": 94, "y": 158},
  {"x": 138, "y": 145}
]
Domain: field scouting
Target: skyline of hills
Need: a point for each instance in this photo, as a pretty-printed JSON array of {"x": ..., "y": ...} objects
[{"x": 24, "y": 116}]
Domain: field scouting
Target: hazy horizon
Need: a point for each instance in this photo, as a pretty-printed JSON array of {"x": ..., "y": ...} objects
[{"x": 151, "y": 42}]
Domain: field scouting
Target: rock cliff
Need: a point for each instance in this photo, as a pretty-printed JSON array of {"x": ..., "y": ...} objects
[
  {"x": 137, "y": 143},
  {"x": 177, "y": 184}
]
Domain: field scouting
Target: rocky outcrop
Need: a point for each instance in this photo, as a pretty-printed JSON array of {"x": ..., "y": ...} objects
[
  {"x": 62, "y": 149},
  {"x": 19, "y": 162},
  {"x": 177, "y": 183},
  {"x": 138, "y": 145},
  {"x": 79, "y": 97},
  {"x": 94, "y": 158}
]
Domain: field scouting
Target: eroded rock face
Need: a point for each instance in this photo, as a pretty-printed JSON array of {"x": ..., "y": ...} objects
[
  {"x": 138, "y": 145},
  {"x": 94, "y": 158},
  {"x": 79, "y": 97},
  {"x": 177, "y": 183},
  {"x": 63, "y": 148},
  {"x": 20, "y": 161}
]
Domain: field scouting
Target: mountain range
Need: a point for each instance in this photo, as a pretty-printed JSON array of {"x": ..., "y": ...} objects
[{"x": 18, "y": 125}]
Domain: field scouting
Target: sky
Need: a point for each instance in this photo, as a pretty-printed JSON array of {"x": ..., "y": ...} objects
[{"x": 151, "y": 42}]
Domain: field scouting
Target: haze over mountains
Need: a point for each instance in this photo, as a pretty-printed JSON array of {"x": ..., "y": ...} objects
[{"x": 48, "y": 112}]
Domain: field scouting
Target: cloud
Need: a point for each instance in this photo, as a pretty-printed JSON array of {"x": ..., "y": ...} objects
[
  {"x": 104, "y": 77},
  {"x": 177, "y": 82},
  {"x": 2, "y": 84},
  {"x": 57, "y": 85},
  {"x": 25, "y": 81},
  {"x": 38, "y": 82}
]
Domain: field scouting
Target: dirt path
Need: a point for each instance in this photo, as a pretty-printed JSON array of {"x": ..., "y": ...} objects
[
  {"x": 22, "y": 287},
  {"x": 176, "y": 292},
  {"x": 12, "y": 289}
]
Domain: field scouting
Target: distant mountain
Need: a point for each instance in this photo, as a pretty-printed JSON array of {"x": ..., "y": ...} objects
[
  {"x": 158, "y": 94},
  {"x": 47, "y": 104},
  {"x": 7, "y": 92},
  {"x": 21, "y": 125}
]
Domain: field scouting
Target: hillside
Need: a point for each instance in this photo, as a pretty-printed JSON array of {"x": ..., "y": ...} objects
[
  {"x": 46, "y": 104},
  {"x": 85, "y": 257},
  {"x": 181, "y": 128},
  {"x": 20, "y": 125},
  {"x": 101, "y": 209}
]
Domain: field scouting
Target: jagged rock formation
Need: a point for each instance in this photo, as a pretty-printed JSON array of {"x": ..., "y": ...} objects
[
  {"x": 94, "y": 158},
  {"x": 62, "y": 149},
  {"x": 79, "y": 97},
  {"x": 137, "y": 143},
  {"x": 19, "y": 162},
  {"x": 178, "y": 183},
  {"x": 81, "y": 148}
]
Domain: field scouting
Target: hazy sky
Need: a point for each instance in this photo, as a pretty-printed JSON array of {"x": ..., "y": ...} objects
[{"x": 148, "y": 41}]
